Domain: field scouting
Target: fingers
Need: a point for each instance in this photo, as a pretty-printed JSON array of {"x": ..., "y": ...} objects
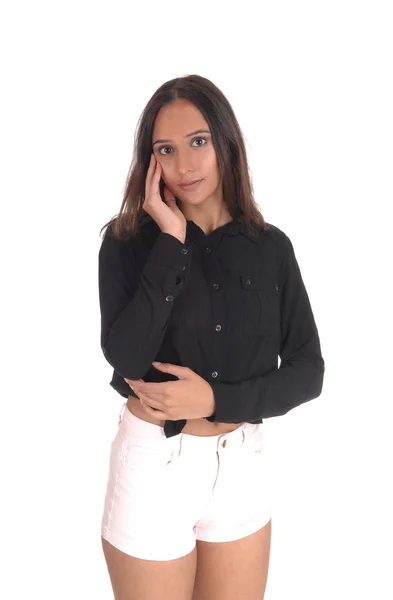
[
  {"x": 148, "y": 402},
  {"x": 168, "y": 195},
  {"x": 149, "y": 176},
  {"x": 152, "y": 407},
  {"x": 153, "y": 177},
  {"x": 154, "y": 413}
]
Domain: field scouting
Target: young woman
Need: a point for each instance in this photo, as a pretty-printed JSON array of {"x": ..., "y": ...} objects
[{"x": 199, "y": 296}]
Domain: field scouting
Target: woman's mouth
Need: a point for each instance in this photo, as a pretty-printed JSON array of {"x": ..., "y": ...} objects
[{"x": 190, "y": 186}]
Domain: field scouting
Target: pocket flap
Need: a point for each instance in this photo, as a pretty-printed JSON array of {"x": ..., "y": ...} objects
[{"x": 256, "y": 281}]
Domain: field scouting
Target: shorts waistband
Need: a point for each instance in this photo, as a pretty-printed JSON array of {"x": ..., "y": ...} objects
[{"x": 143, "y": 430}]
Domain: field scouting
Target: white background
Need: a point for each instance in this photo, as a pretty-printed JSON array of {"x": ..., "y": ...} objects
[{"x": 311, "y": 86}]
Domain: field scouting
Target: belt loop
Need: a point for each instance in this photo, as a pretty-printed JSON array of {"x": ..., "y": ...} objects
[
  {"x": 180, "y": 444},
  {"x": 122, "y": 412}
]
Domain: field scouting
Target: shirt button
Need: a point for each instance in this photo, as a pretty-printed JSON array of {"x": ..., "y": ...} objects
[
  {"x": 214, "y": 374},
  {"x": 248, "y": 281},
  {"x": 183, "y": 268},
  {"x": 184, "y": 251},
  {"x": 276, "y": 286},
  {"x": 169, "y": 298},
  {"x": 224, "y": 443},
  {"x": 208, "y": 249},
  {"x": 218, "y": 327},
  {"x": 216, "y": 286}
]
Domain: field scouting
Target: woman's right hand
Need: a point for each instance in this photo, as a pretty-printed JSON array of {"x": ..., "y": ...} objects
[{"x": 166, "y": 214}]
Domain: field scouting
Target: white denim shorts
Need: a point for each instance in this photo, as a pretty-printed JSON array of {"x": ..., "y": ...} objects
[{"x": 163, "y": 494}]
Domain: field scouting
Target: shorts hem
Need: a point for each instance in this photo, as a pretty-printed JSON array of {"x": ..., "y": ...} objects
[
  {"x": 124, "y": 546},
  {"x": 206, "y": 534}
]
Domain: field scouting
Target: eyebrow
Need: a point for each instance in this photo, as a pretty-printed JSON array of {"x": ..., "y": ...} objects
[{"x": 186, "y": 136}]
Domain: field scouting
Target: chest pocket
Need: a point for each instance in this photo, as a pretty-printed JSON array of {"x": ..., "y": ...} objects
[{"x": 260, "y": 304}]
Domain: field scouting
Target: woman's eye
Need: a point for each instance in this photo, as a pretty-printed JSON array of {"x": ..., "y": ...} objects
[{"x": 194, "y": 140}]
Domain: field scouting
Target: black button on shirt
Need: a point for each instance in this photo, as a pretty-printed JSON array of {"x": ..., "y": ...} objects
[{"x": 226, "y": 305}]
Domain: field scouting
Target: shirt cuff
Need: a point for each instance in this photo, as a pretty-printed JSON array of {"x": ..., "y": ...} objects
[{"x": 169, "y": 251}]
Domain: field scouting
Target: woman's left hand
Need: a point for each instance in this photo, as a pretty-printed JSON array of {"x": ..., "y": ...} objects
[{"x": 190, "y": 397}]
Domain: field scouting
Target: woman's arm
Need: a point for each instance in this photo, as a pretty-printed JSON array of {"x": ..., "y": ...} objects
[{"x": 135, "y": 309}]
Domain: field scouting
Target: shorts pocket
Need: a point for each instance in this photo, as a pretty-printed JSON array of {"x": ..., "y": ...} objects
[{"x": 142, "y": 456}]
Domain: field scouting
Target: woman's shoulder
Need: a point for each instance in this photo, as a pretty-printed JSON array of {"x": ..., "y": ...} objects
[
  {"x": 278, "y": 236},
  {"x": 118, "y": 229},
  {"x": 120, "y": 243},
  {"x": 275, "y": 232}
]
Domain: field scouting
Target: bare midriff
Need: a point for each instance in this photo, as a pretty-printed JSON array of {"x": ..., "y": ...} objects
[{"x": 193, "y": 426}]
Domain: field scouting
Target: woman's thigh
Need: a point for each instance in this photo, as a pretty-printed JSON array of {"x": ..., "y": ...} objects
[
  {"x": 233, "y": 570},
  {"x": 137, "y": 579}
]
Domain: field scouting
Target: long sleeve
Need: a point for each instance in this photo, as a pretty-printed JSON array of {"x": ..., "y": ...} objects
[
  {"x": 136, "y": 303},
  {"x": 300, "y": 375}
]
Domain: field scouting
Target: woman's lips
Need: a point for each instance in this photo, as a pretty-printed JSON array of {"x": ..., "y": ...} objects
[{"x": 191, "y": 186}]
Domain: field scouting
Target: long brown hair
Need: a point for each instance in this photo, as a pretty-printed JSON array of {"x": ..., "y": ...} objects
[{"x": 228, "y": 142}]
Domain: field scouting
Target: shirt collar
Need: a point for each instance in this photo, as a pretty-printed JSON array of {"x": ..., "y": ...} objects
[{"x": 232, "y": 228}]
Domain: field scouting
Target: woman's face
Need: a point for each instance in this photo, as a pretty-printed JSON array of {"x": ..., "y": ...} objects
[{"x": 185, "y": 158}]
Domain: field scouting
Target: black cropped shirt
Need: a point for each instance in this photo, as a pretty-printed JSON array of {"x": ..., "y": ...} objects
[{"x": 227, "y": 305}]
